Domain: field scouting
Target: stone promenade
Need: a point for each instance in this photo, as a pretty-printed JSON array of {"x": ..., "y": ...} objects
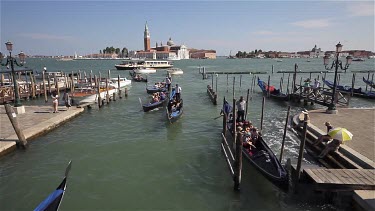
[{"x": 35, "y": 121}]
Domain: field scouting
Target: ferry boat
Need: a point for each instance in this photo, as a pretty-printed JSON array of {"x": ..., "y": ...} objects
[{"x": 133, "y": 64}]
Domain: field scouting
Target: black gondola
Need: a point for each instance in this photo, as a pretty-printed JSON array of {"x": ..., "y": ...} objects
[
  {"x": 274, "y": 93},
  {"x": 137, "y": 79},
  {"x": 368, "y": 82},
  {"x": 53, "y": 201},
  {"x": 151, "y": 90},
  {"x": 150, "y": 106},
  {"x": 261, "y": 157},
  {"x": 174, "y": 112},
  {"x": 356, "y": 91}
]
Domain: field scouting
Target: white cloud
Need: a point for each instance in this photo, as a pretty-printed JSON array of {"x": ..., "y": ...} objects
[
  {"x": 361, "y": 9},
  {"x": 38, "y": 36},
  {"x": 313, "y": 23}
]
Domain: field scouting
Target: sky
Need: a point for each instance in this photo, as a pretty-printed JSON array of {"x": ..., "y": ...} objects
[{"x": 58, "y": 27}]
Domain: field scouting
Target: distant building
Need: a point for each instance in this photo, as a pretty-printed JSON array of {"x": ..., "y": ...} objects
[
  {"x": 316, "y": 52},
  {"x": 167, "y": 52},
  {"x": 202, "y": 54}
]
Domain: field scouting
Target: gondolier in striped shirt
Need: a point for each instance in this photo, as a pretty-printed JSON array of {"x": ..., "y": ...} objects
[
  {"x": 168, "y": 82},
  {"x": 178, "y": 92}
]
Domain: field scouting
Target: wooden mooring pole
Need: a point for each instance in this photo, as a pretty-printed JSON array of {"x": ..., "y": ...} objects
[
  {"x": 44, "y": 87},
  {"x": 285, "y": 128},
  {"x": 301, "y": 149},
  {"x": 21, "y": 142},
  {"x": 238, "y": 162},
  {"x": 247, "y": 103},
  {"x": 224, "y": 120},
  {"x": 261, "y": 118},
  {"x": 268, "y": 88},
  {"x": 119, "y": 88}
]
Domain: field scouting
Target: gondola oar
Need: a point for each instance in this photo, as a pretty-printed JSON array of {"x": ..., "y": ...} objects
[
  {"x": 169, "y": 118},
  {"x": 140, "y": 102}
]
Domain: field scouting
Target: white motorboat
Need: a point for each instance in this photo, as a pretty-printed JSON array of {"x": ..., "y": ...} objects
[
  {"x": 175, "y": 71},
  {"x": 144, "y": 70},
  {"x": 123, "y": 82},
  {"x": 134, "y": 64}
]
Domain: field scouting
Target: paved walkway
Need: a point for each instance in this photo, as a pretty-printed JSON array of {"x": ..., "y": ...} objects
[
  {"x": 359, "y": 121},
  {"x": 35, "y": 121}
]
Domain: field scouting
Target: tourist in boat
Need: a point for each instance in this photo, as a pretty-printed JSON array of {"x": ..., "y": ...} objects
[
  {"x": 325, "y": 138},
  {"x": 254, "y": 134},
  {"x": 162, "y": 96},
  {"x": 178, "y": 92},
  {"x": 241, "y": 104},
  {"x": 155, "y": 98},
  {"x": 247, "y": 140}
]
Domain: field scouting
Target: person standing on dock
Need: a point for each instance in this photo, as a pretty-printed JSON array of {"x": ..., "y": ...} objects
[
  {"x": 67, "y": 100},
  {"x": 241, "y": 104},
  {"x": 178, "y": 92},
  {"x": 55, "y": 103}
]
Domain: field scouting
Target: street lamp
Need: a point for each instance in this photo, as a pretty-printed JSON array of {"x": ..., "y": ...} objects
[
  {"x": 336, "y": 63},
  {"x": 12, "y": 61}
]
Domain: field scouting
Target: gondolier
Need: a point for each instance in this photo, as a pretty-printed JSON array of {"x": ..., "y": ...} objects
[
  {"x": 168, "y": 82},
  {"x": 178, "y": 92},
  {"x": 241, "y": 104}
]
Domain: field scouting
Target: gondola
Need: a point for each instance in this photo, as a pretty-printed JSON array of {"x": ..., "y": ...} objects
[
  {"x": 261, "y": 157},
  {"x": 356, "y": 91},
  {"x": 274, "y": 93},
  {"x": 137, "y": 79},
  {"x": 368, "y": 82},
  {"x": 173, "y": 114},
  {"x": 53, "y": 201},
  {"x": 150, "y": 106},
  {"x": 152, "y": 89}
]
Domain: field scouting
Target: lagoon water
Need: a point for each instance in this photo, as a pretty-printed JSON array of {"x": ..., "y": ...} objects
[{"x": 125, "y": 159}]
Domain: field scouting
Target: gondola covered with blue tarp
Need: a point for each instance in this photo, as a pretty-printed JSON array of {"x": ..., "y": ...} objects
[{"x": 356, "y": 91}]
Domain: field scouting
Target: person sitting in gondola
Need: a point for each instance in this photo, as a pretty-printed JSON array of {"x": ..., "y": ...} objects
[
  {"x": 254, "y": 135},
  {"x": 248, "y": 142},
  {"x": 155, "y": 98},
  {"x": 162, "y": 96}
]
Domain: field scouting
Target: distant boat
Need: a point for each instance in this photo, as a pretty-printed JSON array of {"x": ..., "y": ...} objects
[
  {"x": 145, "y": 70},
  {"x": 279, "y": 60},
  {"x": 175, "y": 71},
  {"x": 133, "y": 64},
  {"x": 230, "y": 56},
  {"x": 308, "y": 60}
]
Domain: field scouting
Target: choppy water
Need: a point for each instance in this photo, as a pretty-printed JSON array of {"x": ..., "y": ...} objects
[{"x": 124, "y": 159}]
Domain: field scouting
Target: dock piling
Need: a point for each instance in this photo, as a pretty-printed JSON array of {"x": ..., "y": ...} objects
[
  {"x": 21, "y": 142},
  {"x": 284, "y": 135},
  {"x": 119, "y": 88},
  {"x": 261, "y": 118},
  {"x": 238, "y": 162},
  {"x": 301, "y": 148}
]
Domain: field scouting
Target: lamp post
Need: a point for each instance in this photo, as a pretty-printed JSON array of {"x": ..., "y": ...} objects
[
  {"x": 12, "y": 61},
  {"x": 336, "y": 63}
]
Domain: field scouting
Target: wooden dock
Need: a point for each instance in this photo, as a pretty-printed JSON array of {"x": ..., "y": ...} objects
[{"x": 342, "y": 179}]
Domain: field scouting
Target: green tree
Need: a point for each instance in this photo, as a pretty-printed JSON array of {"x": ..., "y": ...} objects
[
  {"x": 117, "y": 51},
  {"x": 125, "y": 52},
  {"x": 256, "y": 51},
  {"x": 100, "y": 52}
]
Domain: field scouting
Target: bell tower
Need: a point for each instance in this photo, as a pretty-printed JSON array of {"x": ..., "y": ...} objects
[{"x": 146, "y": 38}]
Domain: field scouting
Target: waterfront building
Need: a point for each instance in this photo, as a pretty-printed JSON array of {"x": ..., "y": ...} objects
[
  {"x": 202, "y": 54},
  {"x": 316, "y": 52}
]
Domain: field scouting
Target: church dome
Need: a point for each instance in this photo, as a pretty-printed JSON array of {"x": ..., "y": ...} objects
[{"x": 170, "y": 42}]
